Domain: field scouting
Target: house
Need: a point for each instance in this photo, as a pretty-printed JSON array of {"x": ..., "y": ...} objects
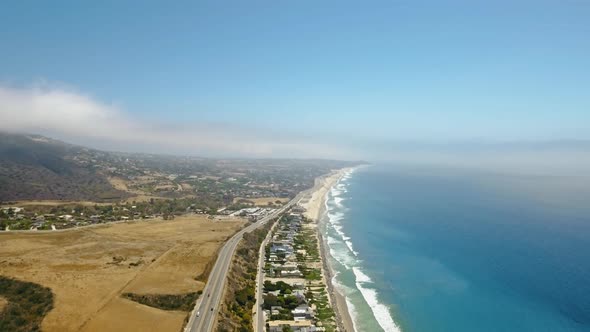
[
  {"x": 303, "y": 312},
  {"x": 290, "y": 267},
  {"x": 299, "y": 294},
  {"x": 294, "y": 274},
  {"x": 13, "y": 210},
  {"x": 37, "y": 224},
  {"x": 275, "y": 310},
  {"x": 281, "y": 247},
  {"x": 66, "y": 217},
  {"x": 95, "y": 218},
  {"x": 295, "y": 325},
  {"x": 298, "y": 285}
]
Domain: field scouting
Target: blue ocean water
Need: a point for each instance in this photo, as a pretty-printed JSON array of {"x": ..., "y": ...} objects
[{"x": 427, "y": 249}]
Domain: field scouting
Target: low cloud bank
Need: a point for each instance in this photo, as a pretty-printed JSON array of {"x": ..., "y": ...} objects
[{"x": 80, "y": 119}]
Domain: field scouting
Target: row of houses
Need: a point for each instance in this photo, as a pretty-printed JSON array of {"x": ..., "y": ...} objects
[{"x": 282, "y": 264}]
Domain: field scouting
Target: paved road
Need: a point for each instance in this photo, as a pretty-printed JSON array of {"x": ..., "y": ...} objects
[
  {"x": 259, "y": 321},
  {"x": 203, "y": 316}
]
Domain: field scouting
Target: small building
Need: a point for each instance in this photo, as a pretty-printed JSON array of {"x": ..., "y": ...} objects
[
  {"x": 95, "y": 218},
  {"x": 294, "y": 325},
  {"x": 275, "y": 310},
  {"x": 13, "y": 209},
  {"x": 303, "y": 312},
  {"x": 299, "y": 294}
]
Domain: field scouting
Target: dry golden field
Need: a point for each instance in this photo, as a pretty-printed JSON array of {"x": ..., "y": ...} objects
[{"x": 88, "y": 269}]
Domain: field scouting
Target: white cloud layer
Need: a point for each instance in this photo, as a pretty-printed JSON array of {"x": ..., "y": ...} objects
[
  {"x": 77, "y": 118},
  {"x": 73, "y": 117}
]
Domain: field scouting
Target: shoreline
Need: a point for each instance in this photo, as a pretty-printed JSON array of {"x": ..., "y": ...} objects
[{"x": 316, "y": 208}]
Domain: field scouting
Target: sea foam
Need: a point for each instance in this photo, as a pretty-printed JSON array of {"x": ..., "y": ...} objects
[
  {"x": 380, "y": 311},
  {"x": 334, "y": 222},
  {"x": 342, "y": 256}
]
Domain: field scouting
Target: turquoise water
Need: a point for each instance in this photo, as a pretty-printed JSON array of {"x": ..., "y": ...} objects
[{"x": 439, "y": 250}]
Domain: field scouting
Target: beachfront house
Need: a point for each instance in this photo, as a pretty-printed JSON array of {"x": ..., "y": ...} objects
[
  {"x": 294, "y": 325},
  {"x": 281, "y": 247}
]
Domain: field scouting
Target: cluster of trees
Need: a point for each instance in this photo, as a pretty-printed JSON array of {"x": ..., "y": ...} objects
[
  {"x": 27, "y": 304},
  {"x": 286, "y": 301},
  {"x": 182, "y": 302},
  {"x": 282, "y": 286}
]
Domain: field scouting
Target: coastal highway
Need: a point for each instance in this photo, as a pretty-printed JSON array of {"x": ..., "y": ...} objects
[{"x": 202, "y": 318}]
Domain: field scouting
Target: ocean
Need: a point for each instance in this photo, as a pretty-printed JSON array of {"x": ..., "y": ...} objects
[{"x": 436, "y": 249}]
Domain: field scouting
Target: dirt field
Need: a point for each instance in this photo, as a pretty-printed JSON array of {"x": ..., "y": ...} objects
[
  {"x": 118, "y": 183},
  {"x": 139, "y": 196},
  {"x": 87, "y": 269}
]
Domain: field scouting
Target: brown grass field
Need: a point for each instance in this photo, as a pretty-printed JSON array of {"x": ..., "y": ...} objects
[
  {"x": 89, "y": 268},
  {"x": 138, "y": 195}
]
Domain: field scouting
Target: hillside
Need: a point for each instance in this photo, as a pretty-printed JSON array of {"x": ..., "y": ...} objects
[{"x": 35, "y": 167}]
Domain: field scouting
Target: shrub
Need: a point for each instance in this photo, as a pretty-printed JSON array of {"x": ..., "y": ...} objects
[{"x": 27, "y": 304}]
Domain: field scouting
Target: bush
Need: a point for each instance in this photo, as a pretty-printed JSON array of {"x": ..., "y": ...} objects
[
  {"x": 182, "y": 302},
  {"x": 27, "y": 304}
]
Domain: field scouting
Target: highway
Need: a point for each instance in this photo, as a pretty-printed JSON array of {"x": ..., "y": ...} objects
[{"x": 202, "y": 318}]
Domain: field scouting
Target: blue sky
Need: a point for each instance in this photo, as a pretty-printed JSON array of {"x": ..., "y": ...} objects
[{"x": 344, "y": 75}]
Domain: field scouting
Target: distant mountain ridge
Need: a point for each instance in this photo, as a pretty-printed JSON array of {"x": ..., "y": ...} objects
[{"x": 37, "y": 167}]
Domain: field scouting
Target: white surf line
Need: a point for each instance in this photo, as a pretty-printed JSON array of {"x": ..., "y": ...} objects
[{"x": 380, "y": 311}]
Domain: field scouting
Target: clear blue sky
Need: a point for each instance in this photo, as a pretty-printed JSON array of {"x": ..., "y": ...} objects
[{"x": 389, "y": 71}]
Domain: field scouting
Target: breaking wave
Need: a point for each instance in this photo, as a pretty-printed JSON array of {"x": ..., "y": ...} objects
[
  {"x": 341, "y": 249},
  {"x": 380, "y": 311}
]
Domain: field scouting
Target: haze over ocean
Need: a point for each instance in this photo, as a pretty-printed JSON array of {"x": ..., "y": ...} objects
[{"x": 437, "y": 249}]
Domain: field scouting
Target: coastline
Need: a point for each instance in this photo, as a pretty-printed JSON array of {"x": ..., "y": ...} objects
[{"x": 315, "y": 208}]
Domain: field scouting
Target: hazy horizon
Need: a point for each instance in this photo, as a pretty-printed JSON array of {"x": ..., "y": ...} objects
[{"x": 501, "y": 85}]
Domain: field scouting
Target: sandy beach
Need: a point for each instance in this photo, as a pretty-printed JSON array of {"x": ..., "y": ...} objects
[{"x": 314, "y": 203}]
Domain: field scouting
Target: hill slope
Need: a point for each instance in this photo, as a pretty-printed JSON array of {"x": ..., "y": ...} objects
[{"x": 35, "y": 167}]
